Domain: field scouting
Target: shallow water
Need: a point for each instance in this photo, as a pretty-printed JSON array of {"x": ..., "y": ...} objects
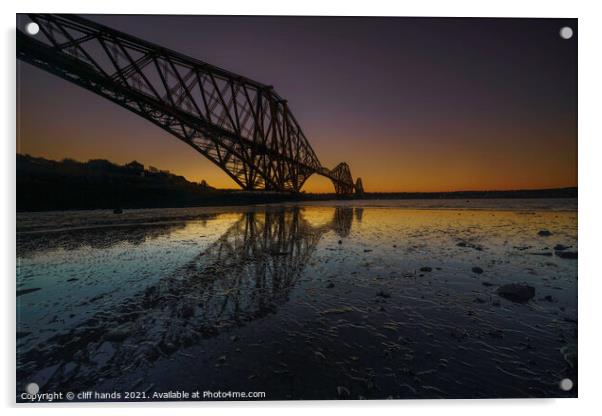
[{"x": 300, "y": 301}]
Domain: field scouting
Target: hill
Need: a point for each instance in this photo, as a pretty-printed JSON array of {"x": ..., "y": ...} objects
[{"x": 44, "y": 184}]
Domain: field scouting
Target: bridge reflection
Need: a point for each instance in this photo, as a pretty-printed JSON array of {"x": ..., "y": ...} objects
[{"x": 245, "y": 275}]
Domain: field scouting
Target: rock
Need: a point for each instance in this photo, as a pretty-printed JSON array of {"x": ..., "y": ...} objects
[
  {"x": 367, "y": 250},
  {"x": 340, "y": 241},
  {"x": 73, "y": 279},
  {"x": 569, "y": 353},
  {"x": 320, "y": 354},
  {"x": 522, "y": 248},
  {"x": 343, "y": 392},
  {"x": 26, "y": 291},
  {"x": 42, "y": 377},
  {"x": 330, "y": 285},
  {"x": 335, "y": 311},
  {"x": 70, "y": 369},
  {"x": 566, "y": 254},
  {"x": 515, "y": 292},
  {"x": 487, "y": 284},
  {"x": 544, "y": 233},
  {"x": 477, "y": 270},
  {"x": 383, "y": 294},
  {"x": 103, "y": 354},
  {"x": 560, "y": 247},
  {"x": 469, "y": 245},
  {"x": 118, "y": 334},
  {"x": 426, "y": 269}
]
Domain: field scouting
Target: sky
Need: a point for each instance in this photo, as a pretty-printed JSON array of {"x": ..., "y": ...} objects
[{"x": 411, "y": 104}]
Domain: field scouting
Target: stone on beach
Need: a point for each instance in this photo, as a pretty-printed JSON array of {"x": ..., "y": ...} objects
[
  {"x": 470, "y": 245},
  {"x": 21, "y": 292},
  {"x": 343, "y": 392},
  {"x": 566, "y": 254},
  {"x": 569, "y": 353},
  {"x": 516, "y": 292},
  {"x": 118, "y": 334}
]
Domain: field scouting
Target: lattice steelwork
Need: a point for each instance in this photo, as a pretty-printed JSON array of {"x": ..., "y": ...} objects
[{"x": 241, "y": 125}]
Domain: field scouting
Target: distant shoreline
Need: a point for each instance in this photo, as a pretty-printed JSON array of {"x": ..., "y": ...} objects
[
  {"x": 571, "y": 192},
  {"x": 46, "y": 185},
  {"x": 218, "y": 198}
]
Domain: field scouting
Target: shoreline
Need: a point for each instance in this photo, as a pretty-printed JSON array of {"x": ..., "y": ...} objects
[
  {"x": 223, "y": 198},
  {"x": 74, "y": 220}
]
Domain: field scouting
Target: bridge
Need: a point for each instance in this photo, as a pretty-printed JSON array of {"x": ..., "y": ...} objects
[{"x": 241, "y": 125}]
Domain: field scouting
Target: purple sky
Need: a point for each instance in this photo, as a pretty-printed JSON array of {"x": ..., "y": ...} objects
[{"x": 412, "y": 104}]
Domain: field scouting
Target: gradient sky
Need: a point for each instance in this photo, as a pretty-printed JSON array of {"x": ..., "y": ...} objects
[{"x": 412, "y": 104}]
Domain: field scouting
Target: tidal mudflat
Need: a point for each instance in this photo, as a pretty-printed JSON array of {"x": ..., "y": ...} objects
[{"x": 354, "y": 299}]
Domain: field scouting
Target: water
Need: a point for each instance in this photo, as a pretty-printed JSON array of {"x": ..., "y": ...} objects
[{"x": 300, "y": 301}]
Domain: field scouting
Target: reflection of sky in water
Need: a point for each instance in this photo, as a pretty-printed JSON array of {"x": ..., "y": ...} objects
[
  {"x": 324, "y": 266},
  {"x": 104, "y": 276}
]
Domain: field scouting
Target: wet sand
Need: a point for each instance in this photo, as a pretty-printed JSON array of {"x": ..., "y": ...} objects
[{"x": 391, "y": 299}]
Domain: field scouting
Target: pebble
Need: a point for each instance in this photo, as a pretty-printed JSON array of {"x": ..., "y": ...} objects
[
  {"x": 516, "y": 292},
  {"x": 566, "y": 254}
]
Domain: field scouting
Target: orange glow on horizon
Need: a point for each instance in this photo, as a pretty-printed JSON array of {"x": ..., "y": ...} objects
[
  {"x": 404, "y": 173},
  {"x": 444, "y": 156}
]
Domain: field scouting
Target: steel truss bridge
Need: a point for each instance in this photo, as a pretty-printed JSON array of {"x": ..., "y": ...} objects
[{"x": 241, "y": 125}]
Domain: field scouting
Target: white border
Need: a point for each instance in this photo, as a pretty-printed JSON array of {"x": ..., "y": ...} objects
[{"x": 590, "y": 158}]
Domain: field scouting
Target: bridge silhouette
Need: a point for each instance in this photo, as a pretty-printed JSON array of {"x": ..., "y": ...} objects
[{"x": 241, "y": 125}]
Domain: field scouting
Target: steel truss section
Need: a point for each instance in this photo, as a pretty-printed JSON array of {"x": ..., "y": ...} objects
[{"x": 241, "y": 125}]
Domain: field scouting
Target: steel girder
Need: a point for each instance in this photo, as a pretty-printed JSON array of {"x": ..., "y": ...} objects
[{"x": 239, "y": 124}]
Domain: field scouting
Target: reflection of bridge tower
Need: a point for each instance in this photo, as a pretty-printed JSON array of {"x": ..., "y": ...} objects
[
  {"x": 359, "y": 213},
  {"x": 342, "y": 220},
  {"x": 276, "y": 244},
  {"x": 250, "y": 270}
]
